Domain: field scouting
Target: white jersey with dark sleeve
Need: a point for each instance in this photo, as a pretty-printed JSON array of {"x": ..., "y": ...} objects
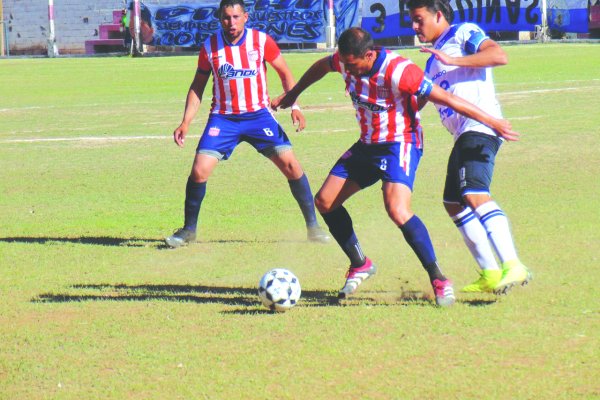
[{"x": 475, "y": 85}]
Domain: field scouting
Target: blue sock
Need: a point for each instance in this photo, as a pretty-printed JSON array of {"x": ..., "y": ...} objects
[
  {"x": 340, "y": 226},
  {"x": 194, "y": 194},
  {"x": 301, "y": 191},
  {"x": 416, "y": 235}
]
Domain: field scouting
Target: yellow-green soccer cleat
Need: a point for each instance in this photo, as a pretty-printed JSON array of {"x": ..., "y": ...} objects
[
  {"x": 487, "y": 282},
  {"x": 514, "y": 273}
]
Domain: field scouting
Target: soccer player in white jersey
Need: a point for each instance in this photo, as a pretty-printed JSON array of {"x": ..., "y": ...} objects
[
  {"x": 461, "y": 59},
  {"x": 384, "y": 89},
  {"x": 236, "y": 57}
]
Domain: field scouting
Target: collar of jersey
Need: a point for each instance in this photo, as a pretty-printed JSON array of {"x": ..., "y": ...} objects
[
  {"x": 444, "y": 37},
  {"x": 241, "y": 41},
  {"x": 378, "y": 61}
]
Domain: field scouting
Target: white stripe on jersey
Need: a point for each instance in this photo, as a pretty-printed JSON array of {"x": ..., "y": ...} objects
[
  {"x": 384, "y": 112},
  {"x": 242, "y": 85}
]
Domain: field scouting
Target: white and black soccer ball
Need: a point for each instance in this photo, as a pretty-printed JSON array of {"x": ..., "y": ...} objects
[{"x": 279, "y": 289}]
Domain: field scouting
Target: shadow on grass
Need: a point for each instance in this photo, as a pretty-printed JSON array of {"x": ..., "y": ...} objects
[
  {"x": 244, "y": 297},
  {"x": 126, "y": 242},
  {"x": 232, "y": 296},
  {"x": 92, "y": 240}
]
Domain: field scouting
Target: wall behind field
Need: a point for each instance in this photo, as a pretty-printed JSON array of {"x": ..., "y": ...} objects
[{"x": 75, "y": 22}]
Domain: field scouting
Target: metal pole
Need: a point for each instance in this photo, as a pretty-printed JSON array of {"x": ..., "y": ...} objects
[
  {"x": 136, "y": 19},
  {"x": 2, "y": 35},
  {"x": 330, "y": 30},
  {"x": 544, "y": 33},
  {"x": 52, "y": 48}
]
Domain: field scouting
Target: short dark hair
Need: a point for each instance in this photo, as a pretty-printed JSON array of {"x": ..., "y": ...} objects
[
  {"x": 355, "y": 42},
  {"x": 231, "y": 3},
  {"x": 434, "y": 6}
]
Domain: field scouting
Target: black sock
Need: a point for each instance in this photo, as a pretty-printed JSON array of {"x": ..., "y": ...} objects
[
  {"x": 340, "y": 226},
  {"x": 434, "y": 271},
  {"x": 301, "y": 191},
  {"x": 194, "y": 194}
]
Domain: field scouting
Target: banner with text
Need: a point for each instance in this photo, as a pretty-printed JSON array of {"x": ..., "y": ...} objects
[
  {"x": 186, "y": 25},
  {"x": 390, "y": 18}
]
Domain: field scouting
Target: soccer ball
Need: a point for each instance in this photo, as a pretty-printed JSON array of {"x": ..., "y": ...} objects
[{"x": 279, "y": 290}]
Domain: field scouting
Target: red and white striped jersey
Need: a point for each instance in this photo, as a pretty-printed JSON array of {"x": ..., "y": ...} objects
[
  {"x": 239, "y": 71},
  {"x": 385, "y": 99}
]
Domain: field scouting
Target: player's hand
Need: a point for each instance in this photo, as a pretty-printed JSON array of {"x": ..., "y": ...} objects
[
  {"x": 298, "y": 119},
  {"x": 504, "y": 129},
  {"x": 440, "y": 56},
  {"x": 284, "y": 100},
  {"x": 179, "y": 134}
]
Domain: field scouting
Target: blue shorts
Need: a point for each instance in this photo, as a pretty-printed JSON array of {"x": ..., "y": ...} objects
[
  {"x": 260, "y": 129},
  {"x": 365, "y": 164},
  {"x": 470, "y": 166}
]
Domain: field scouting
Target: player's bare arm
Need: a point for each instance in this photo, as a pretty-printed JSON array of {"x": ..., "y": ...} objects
[
  {"x": 192, "y": 104},
  {"x": 317, "y": 71},
  {"x": 287, "y": 82},
  {"x": 461, "y": 106},
  {"x": 490, "y": 54}
]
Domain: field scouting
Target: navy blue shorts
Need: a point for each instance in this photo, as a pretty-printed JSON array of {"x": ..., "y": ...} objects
[
  {"x": 259, "y": 129},
  {"x": 470, "y": 166},
  {"x": 365, "y": 164}
]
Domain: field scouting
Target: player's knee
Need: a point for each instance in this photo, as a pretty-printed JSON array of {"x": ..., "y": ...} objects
[
  {"x": 198, "y": 175},
  {"x": 322, "y": 205},
  {"x": 452, "y": 208},
  {"x": 399, "y": 215}
]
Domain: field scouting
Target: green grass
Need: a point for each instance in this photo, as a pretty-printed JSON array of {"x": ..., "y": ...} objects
[{"x": 93, "y": 307}]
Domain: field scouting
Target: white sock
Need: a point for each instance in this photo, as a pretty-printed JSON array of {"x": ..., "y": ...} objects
[
  {"x": 475, "y": 238},
  {"x": 496, "y": 224}
]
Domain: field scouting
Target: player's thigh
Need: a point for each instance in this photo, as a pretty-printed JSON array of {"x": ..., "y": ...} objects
[
  {"x": 334, "y": 192},
  {"x": 397, "y": 198},
  {"x": 203, "y": 167},
  {"x": 288, "y": 164}
]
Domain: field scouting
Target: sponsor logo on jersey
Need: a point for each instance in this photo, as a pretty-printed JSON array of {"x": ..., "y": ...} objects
[
  {"x": 441, "y": 73},
  {"x": 227, "y": 71},
  {"x": 253, "y": 55},
  {"x": 376, "y": 108},
  {"x": 383, "y": 92}
]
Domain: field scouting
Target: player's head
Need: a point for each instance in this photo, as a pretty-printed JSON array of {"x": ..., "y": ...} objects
[
  {"x": 430, "y": 18},
  {"x": 357, "y": 51},
  {"x": 233, "y": 17}
]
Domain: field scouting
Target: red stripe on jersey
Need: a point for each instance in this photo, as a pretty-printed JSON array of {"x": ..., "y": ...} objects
[
  {"x": 376, "y": 118},
  {"x": 260, "y": 66},
  {"x": 387, "y": 82},
  {"x": 362, "y": 117},
  {"x": 246, "y": 82},
  {"x": 218, "y": 83},
  {"x": 235, "y": 108},
  {"x": 408, "y": 120}
]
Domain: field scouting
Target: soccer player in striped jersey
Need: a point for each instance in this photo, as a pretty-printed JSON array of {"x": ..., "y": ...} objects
[
  {"x": 461, "y": 59},
  {"x": 236, "y": 57},
  {"x": 384, "y": 88}
]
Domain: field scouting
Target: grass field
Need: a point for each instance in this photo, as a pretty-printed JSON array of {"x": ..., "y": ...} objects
[{"x": 94, "y": 307}]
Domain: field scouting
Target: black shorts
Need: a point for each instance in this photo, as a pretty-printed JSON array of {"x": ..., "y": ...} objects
[{"x": 471, "y": 166}]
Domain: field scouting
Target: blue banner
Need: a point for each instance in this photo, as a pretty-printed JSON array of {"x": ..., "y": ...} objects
[
  {"x": 390, "y": 18},
  {"x": 346, "y": 13},
  {"x": 568, "y": 16},
  {"x": 186, "y": 25}
]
